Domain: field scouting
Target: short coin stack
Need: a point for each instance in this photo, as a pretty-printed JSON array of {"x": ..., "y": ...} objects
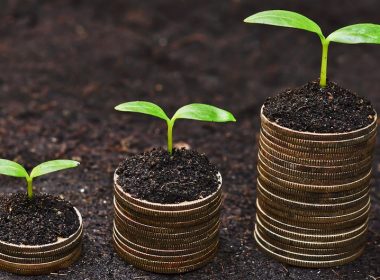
[
  {"x": 166, "y": 238},
  {"x": 313, "y": 194},
  {"x": 42, "y": 259}
]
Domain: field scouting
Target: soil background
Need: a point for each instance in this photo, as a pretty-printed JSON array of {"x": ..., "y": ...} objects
[{"x": 65, "y": 64}]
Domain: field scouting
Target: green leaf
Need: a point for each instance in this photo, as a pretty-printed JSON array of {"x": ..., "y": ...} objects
[
  {"x": 52, "y": 166},
  {"x": 356, "y": 34},
  {"x": 144, "y": 108},
  {"x": 285, "y": 19},
  {"x": 203, "y": 112},
  {"x": 11, "y": 168}
]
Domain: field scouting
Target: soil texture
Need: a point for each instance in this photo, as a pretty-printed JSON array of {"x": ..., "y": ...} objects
[
  {"x": 311, "y": 108},
  {"x": 65, "y": 65},
  {"x": 157, "y": 176},
  {"x": 36, "y": 221}
]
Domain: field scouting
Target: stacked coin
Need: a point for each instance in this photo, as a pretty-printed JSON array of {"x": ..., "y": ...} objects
[
  {"x": 313, "y": 194},
  {"x": 41, "y": 259},
  {"x": 166, "y": 238}
]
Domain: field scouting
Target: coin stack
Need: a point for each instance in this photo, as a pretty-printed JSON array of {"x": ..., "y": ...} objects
[
  {"x": 313, "y": 194},
  {"x": 166, "y": 238},
  {"x": 41, "y": 259}
]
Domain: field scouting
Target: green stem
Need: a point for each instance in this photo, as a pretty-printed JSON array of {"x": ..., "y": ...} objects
[
  {"x": 325, "y": 48},
  {"x": 170, "y": 136},
  {"x": 30, "y": 188}
]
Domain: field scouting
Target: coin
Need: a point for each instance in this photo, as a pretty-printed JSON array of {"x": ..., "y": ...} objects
[
  {"x": 317, "y": 237},
  {"x": 164, "y": 267},
  {"x": 320, "y": 143},
  {"x": 312, "y": 197},
  {"x": 363, "y": 152},
  {"x": 41, "y": 268},
  {"x": 318, "y": 147},
  {"x": 333, "y": 161},
  {"x": 317, "y": 136},
  {"x": 307, "y": 263},
  {"x": 297, "y": 219},
  {"x": 167, "y": 207},
  {"x": 307, "y": 167},
  {"x": 315, "y": 176},
  {"x": 329, "y": 187},
  {"x": 330, "y": 207}
]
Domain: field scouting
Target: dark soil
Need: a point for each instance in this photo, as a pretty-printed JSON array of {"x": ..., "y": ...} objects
[
  {"x": 157, "y": 176},
  {"x": 37, "y": 221},
  {"x": 64, "y": 65},
  {"x": 321, "y": 110}
]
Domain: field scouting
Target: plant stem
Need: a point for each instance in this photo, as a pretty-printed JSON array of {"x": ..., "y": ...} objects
[
  {"x": 170, "y": 136},
  {"x": 325, "y": 48},
  {"x": 30, "y": 188}
]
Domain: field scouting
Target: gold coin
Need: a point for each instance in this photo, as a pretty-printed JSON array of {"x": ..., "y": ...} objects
[
  {"x": 312, "y": 197},
  {"x": 158, "y": 244},
  {"x": 167, "y": 222},
  {"x": 182, "y": 237},
  {"x": 213, "y": 200},
  {"x": 315, "y": 176},
  {"x": 310, "y": 251},
  {"x": 307, "y": 263},
  {"x": 164, "y": 229},
  {"x": 329, "y": 187},
  {"x": 309, "y": 168},
  {"x": 320, "y": 143},
  {"x": 165, "y": 266},
  {"x": 314, "y": 228},
  {"x": 311, "y": 212},
  {"x": 307, "y": 257},
  {"x": 333, "y": 161},
  {"x": 163, "y": 258},
  {"x": 41, "y": 250},
  {"x": 41, "y": 268},
  {"x": 363, "y": 152},
  {"x": 318, "y": 136},
  {"x": 295, "y": 180},
  {"x": 297, "y": 219},
  {"x": 302, "y": 206},
  {"x": 167, "y": 207},
  {"x": 314, "y": 237},
  {"x": 163, "y": 252},
  {"x": 312, "y": 244}
]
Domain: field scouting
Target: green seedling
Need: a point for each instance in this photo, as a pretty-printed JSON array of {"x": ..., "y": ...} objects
[
  {"x": 196, "y": 111},
  {"x": 352, "y": 34},
  {"x": 11, "y": 168}
]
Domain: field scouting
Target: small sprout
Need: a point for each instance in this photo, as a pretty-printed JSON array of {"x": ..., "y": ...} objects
[
  {"x": 11, "y": 168},
  {"x": 354, "y": 34},
  {"x": 195, "y": 111}
]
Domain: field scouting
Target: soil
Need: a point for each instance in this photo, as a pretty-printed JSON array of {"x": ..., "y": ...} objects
[
  {"x": 331, "y": 109},
  {"x": 64, "y": 65},
  {"x": 37, "y": 221},
  {"x": 157, "y": 176}
]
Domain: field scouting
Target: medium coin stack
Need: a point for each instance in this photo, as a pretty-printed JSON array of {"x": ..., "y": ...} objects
[
  {"x": 313, "y": 194},
  {"x": 41, "y": 259},
  {"x": 166, "y": 238}
]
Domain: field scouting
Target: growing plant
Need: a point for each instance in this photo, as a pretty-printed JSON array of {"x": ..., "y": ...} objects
[
  {"x": 195, "y": 111},
  {"x": 11, "y": 168},
  {"x": 352, "y": 34}
]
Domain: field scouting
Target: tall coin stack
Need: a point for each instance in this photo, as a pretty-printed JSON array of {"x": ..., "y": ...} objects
[
  {"x": 166, "y": 238},
  {"x": 313, "y": 194}
]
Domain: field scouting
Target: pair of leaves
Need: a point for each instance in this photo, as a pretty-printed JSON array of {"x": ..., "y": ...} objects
[
  {"x": 11, "y": 168},
  {"x": 195, "y": 111},
  {"x": 352, "y": 34}
]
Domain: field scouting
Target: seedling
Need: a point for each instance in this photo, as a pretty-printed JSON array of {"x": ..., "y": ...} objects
[
  {"x": 352, "y": 34},
  {"x": 11, "y": 168},
  {"x": 195, "y": 111}
]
